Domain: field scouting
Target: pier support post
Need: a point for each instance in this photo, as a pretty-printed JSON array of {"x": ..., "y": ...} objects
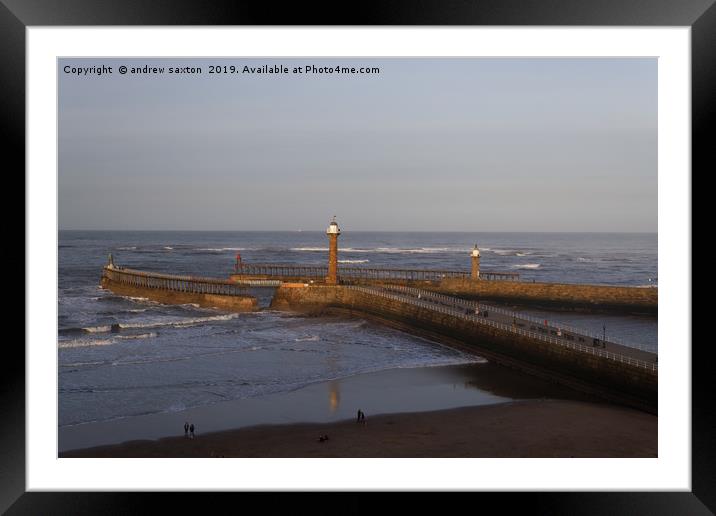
[{"x": 332, "y": 232}]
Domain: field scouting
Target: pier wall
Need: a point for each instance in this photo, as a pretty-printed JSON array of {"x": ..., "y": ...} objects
[
  {"x": 560, "y": 296},
  {"x": 230, "y": 303},
  {"x": 591, "y": 373},
  {"x": 593, "y": 297}
]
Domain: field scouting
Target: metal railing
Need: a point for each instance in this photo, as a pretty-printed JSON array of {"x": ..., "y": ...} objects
[
  {"x": 365, "y": 273},
  {"x": 472, "y": 305},
  {"x": 460, "y": 314},
  {"x": 190, "y": 284},
  {"x": 259, "y": 282}
]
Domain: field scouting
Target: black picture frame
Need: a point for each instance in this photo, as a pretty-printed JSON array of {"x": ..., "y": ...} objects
[{"x": 699, "y": 15}]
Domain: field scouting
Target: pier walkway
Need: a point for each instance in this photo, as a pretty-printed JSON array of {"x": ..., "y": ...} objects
[
  {"x": 521, "y": 320},
  {"x": 516, "y": 323}
]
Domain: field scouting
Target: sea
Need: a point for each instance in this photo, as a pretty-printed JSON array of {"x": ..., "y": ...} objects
[{"x": 172, "y": 359}]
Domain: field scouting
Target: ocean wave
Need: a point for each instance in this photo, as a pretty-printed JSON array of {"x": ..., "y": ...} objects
[
  {"x": 180, "y": 323},
  {"x": 527, "y": 266},
  {"x": 84, "y": 343},
  {"x": 127, "y": 248},
  {"x": 220, "y": 249},
  {"x": 312, "y": 338},
  {"x": 80, "y": 364},
  {"x": 176, "y": 323},
  {"x": 386, "y": 250},
  {"x": 177, "y": 407},
  {"x": 149, "y": 335},
  {"x": 168, "y": 248},
  {"x": 353, "y": 261},
  {"x": 445, "y": 362},
  {"x": 402, "y": 250},
  {"x": 506, "y": 252},
  {"x": 97, "y": 329}
]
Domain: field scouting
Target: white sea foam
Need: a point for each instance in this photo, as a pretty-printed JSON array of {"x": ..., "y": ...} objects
[
  {"x": 217, "y": 249},
  {"x": 385, "y": 250},
  {"x": 168, "y": 247},
  {"x": 180, "y": 323},
  {"x": 312, "y": 338},
  {"x": 176, "y": 323},
  {"x": 353, "y": 261},
  {"x": 127, "y": 248},
  {"x": 149, "y": 335},
  {"x": 402, "y": 250},
  {"x": 97, "y": 329},
  {"x": 79, "y": 364},
  {"x": 177, "y": 407},
  {"x": 84, "y": 343},
  {"x": 527, "y": 266}
]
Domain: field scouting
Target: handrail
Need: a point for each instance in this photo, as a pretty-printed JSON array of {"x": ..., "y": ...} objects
[
  {"x": 318, "y": 271},
  {"x": 455, "y": 301},
  {"x": 505, "y": 327}
]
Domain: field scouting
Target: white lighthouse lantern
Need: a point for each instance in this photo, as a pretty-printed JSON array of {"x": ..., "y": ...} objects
[{"x": 333, "y": 228}]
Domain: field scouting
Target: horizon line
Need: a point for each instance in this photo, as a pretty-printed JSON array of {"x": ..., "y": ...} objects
[{"x": 352, "y": 230}]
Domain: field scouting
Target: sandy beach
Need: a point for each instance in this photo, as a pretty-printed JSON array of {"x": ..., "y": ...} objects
[
  {"x": 529, "y": 428},
  {"x": 392, "y": 391}
]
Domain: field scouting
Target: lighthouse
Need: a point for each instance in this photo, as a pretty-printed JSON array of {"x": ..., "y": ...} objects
[
  {"x": 332, "y": 232},
  {"x": 475, "y": 255}
]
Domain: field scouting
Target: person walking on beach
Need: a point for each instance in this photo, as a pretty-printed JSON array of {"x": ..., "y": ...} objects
[
  {"x": 186, "y": 429},
  {"x": 191, "y": 431}
]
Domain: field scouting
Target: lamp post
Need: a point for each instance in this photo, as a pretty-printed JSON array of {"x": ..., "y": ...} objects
[{"x": 604, "y": 336}]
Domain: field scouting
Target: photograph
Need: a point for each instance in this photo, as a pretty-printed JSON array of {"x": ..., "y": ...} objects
[{"x": 357, "y": 257}]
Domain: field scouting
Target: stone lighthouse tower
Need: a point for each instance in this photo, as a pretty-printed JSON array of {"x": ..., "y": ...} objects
[
  {"x": 332, "y": 232},
  {"x": 475, "y": 271}
]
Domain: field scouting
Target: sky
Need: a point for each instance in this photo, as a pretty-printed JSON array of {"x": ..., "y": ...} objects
[{"x": 438, "y": 144}]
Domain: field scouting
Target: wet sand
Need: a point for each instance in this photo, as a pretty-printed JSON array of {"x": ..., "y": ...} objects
[
  {"x": 391, "y": 391},
  {"x": 527, "y": 428}
]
